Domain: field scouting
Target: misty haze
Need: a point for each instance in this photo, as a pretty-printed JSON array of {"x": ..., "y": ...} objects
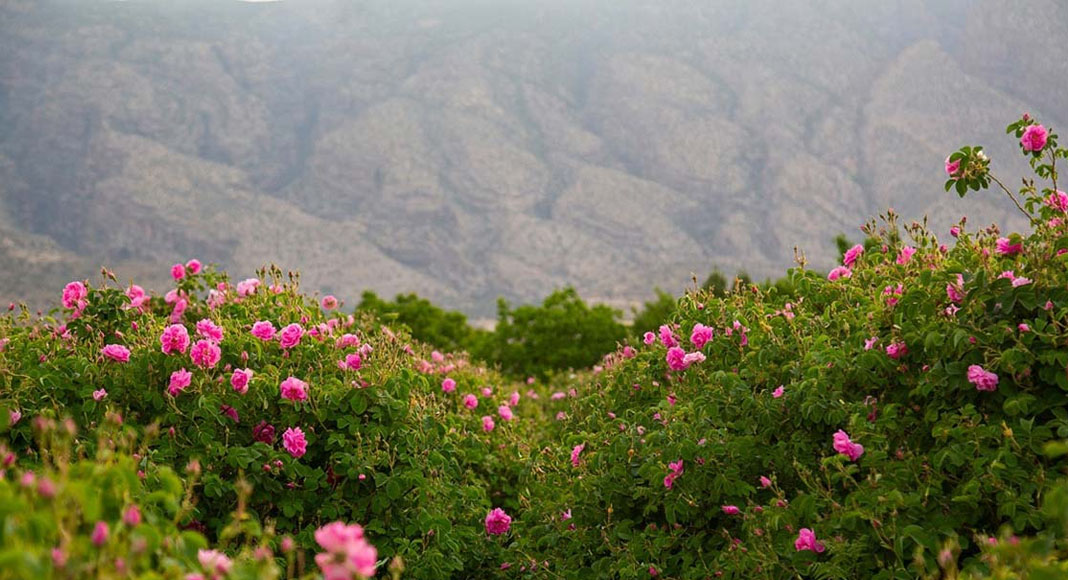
[{"x": 468, "y": 150}]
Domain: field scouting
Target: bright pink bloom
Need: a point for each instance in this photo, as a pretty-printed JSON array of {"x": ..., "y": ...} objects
[
  {"x": 116, "y": 352},
  {"x": 667, "y": 338},
  {"x": 290, "y": 335},
  {"x": 843, "y": 445},
  {"x": 806, "y": 540},
  {"x": 839, "y": 272},
  {"x": 347, "y": 341},
  {"x": 175, "y": 338},
  {"x": 248, "y": 287},
  {"x": 100, "y": 534},
  {"x": 731, "y": 510},
  {"x": 1005, "y": 247},
  {"x": 896, "y": 350},
  {"x": 352, "y": 362},
  {"x": 74, "y": 295},
  {"x": 294, "y": 389},
  {"x": 648, "y": 338},
  {"x": 448, "y": 385},
  {"x": 1058, "y": 200},
  {"x": 1034, "y": 138},
  {"x": 240, "y": 379},
  {"x": 470, "y": 401},
  {"x": 575, "y": 452},
  {"x": 701, "y": 334},
  {"x": 952, "y": 167},
  {"x": 983, "y": 379},
  {"x": 905, "y": 255},
  {"x": 205, "y": 354},
  {"x": 193, "y": 266},
  {"x": 498, "y": 522},
  {"x": 1023, "y": 327},
  {"x": 955, "y": 292},
  {"x": 294, "y": 442},
  {"x": 99, "y": 394},
  {"x": 675, "y": 469},
  {"x": 778, "y": 392},
  {"x": 851, "y": 255},
  {"x": 347, "y": 552},
  {"x": 210, "y": 330},
  {"x": 487, "y": 423},
  {"x": 263, "y": 330},
  {"x": 954, "y": 231},
  {"x": 329, "y": 302},
  {"x": 870, "y": 342},
  {"x": 513, "y": 399},
  {"x": 137, "y": 296},
  {"x": 178, "y": 271},
  {"x": 765, "y": 482},
  {"x": 180, "y": 379},
  {"x": 505, "y": 412}
]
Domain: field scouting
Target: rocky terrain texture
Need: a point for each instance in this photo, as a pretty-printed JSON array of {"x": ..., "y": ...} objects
[{"x": 471, "y": 149}]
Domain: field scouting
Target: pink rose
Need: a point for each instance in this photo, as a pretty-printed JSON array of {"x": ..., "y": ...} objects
[
  {"x": 240, "y": 379},
  {"x": 210, "y": 330},
  {"x": 983, "y": 379},
  {"x": 175, "y": 338},
  {"x": 180, "y": 379},
  {"x": 1034, "y": 138},
  {"x": 205, "y": 354},
  {"x": 448, "y": 385},
  {"x": 290, "y": 335},
  {"x": 806, "y": 540},
  {"x": 294, "y": 389},
  {"x": 263, "y": 330},
  {"x": 843, "y": 445},
  {"x": 294, "y": 442},
  {"x": 74, "y": 295},
  {"x": 178, "y": 271},
  {"x": 470, "y": 401},
  {"x": 851, "y": 255},
  {"x": 952, "y": 167},
  {"x": 498, "y": 522},
  {"x": 116, "y": 352}
]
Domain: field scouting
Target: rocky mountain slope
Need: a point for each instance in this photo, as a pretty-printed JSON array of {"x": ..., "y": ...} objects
[{"x": 470, "y": 149}]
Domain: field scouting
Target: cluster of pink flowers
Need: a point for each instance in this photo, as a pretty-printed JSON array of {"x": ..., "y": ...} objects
[
  {"x": 347, "y": 553},
  {"x": 845, "y": 446},
  {"x": 675, "y": 469},
  {"x": 983, "y": 379},
  {"x": 1017, "y": 281},
  {"x": 893, "y": 293}
]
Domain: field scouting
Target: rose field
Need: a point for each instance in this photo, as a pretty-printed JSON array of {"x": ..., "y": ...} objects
[{"x": 902, "y": 416}]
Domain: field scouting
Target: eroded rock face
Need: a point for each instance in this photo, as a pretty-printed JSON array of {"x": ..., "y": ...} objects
[{"x": 470, "y": 151}]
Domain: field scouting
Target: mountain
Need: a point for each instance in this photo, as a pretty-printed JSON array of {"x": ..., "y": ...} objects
[{"x": 470, "y": 149}]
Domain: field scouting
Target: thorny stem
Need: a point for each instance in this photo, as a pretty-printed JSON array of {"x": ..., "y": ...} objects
[{"x": 1012, "y": 196}]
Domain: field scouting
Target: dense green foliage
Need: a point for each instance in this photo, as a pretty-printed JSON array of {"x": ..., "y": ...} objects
[
  {"x": 562, "y": 333},
  {"x": 428, "y": 323}
]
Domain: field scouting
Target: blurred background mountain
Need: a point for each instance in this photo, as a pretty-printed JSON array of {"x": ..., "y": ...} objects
[{"x": 470, "y": 149}]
